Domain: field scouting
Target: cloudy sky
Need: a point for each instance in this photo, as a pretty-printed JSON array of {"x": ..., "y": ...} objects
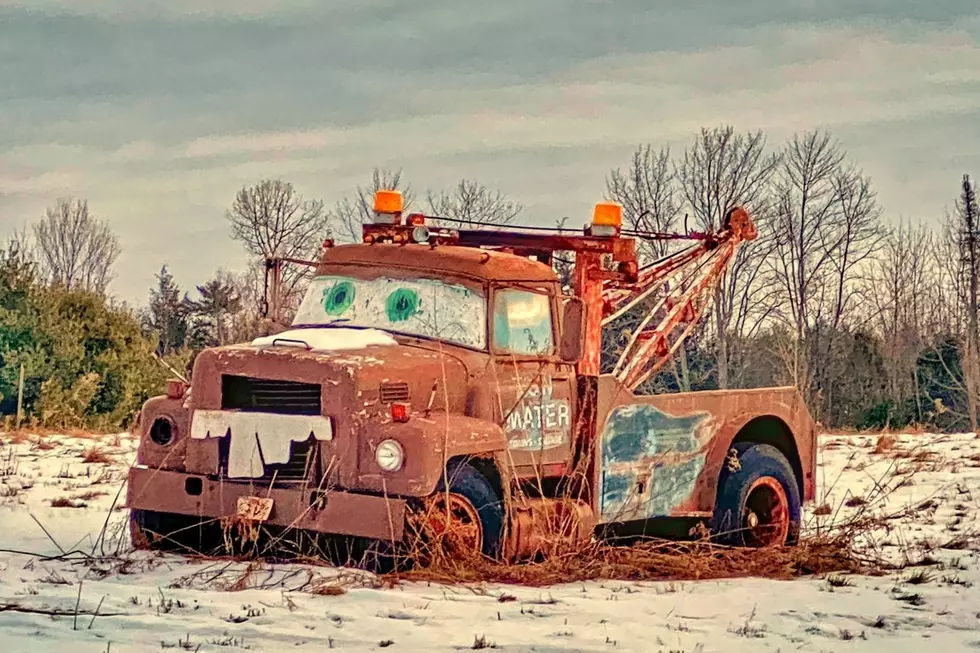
[{"x": 157, "y": 111}]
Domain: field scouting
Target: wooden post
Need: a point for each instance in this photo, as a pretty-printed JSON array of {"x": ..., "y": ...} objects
[{"x": 20, "y": 397}]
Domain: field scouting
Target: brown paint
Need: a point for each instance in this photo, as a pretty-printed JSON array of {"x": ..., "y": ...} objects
[
  {"x": 458, "y": 398},
  {"x": 344, "y": 513}
]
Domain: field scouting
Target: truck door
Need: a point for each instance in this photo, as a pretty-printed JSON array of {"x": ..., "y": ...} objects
[{"x": 534, "y": 389}]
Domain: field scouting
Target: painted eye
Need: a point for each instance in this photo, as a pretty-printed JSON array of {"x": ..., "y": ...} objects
[
  {"x": 402, "y": 304},
  {"x": 338, "y": 298}
]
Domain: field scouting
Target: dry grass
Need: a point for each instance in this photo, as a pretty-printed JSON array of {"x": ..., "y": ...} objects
[
  {"x": 96, "y": 455},
  {"x": 65, "y": 502},
  {"x": 885, "y": 443},
  {"x": 654, "y": 561},
  {"x": 911, "y": 429},
  {"x": 90, "y": 495}
]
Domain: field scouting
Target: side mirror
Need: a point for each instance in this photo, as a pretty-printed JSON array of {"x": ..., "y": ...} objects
[{"x": 572, "y": 330}]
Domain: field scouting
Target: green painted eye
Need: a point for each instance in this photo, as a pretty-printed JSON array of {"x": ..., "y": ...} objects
[
  {"x": 402, "y": 304},
  {"x": 338, "y": 298}
]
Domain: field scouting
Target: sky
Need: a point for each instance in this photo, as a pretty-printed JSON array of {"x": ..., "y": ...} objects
[{"x": 159, "y": 111}]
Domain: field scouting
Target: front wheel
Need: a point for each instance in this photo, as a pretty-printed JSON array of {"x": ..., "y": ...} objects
[
  {"x": 164, "y": 531},
  {"x": 758, "y": 498},
  {"x": 463, "y": 517}
]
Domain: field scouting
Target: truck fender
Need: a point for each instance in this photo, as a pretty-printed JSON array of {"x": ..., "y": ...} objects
[
  {"x": 171, "y": 455},
  {"x": 428, "y": 442},
  {"x": 778, "y": 427}
]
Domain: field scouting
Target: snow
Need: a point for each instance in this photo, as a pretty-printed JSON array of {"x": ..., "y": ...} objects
[
  {"x": 326, "y": 339},
  {"x": 926, "y": 489}
]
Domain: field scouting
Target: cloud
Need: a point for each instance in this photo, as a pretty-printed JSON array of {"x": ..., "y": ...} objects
[{"x": 158, "y": 116}]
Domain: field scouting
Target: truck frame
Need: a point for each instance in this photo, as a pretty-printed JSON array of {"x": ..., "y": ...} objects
[{"x": 440, "y": 381}]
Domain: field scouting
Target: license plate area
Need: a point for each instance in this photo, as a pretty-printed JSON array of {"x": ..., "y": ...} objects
[{"x": 254, "y": 508}]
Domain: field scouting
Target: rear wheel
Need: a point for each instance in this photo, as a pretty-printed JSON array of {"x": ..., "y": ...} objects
[{"x": 758, "y": 499}]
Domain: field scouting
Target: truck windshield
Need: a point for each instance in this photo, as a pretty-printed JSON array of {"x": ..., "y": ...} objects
[{"x": 417, "y": 307}]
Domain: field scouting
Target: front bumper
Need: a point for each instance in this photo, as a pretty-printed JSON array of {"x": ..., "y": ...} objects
[{"x": 341, "y": 513}]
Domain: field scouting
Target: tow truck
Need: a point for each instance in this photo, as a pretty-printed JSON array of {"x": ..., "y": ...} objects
[{"x": 445, "y": 375}]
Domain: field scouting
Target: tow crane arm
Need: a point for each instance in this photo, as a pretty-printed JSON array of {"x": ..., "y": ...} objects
[
  {"x": 695, "y": 272},
  {"x": 606, "y": 274}
]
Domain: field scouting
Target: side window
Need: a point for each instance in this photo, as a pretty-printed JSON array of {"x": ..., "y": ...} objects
[{"x": 522, "y": 323}]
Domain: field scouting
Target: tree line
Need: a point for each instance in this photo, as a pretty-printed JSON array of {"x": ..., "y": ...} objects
[{"x": 873, "y": 318}]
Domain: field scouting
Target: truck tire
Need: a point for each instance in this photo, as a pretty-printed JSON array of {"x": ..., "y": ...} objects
[
  {"x": 163, "y": 531},
  {"x": 474, "y": 506},
  {"x": 758, "y": 501}
]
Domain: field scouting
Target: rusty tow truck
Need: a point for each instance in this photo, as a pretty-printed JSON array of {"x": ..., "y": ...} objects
[{"x": 448, "y": 372}]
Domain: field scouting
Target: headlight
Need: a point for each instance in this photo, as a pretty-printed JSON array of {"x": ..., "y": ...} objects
[
  {"x": 390, "y": 455},
  {"x": 162, "y": 431}
]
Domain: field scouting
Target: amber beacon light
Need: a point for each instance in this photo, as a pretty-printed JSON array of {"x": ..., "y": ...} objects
[
  {"x": 607, "y": 219},
  {"x": 387, "y": 206}
]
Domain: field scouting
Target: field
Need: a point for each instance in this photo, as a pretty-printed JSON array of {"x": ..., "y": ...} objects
[{"x": 69, "y": 582}]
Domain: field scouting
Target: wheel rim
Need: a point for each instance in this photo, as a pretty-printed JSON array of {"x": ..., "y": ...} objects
[
  {"x": 454, "y": 522},
  {"x": 765, "y": 517}
]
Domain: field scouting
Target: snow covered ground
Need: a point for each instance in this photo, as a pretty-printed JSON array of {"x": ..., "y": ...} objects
[{"x": 926, "y": 487}]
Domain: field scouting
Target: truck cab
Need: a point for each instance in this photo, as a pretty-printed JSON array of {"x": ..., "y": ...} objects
[{"x": 425, "y": 379}]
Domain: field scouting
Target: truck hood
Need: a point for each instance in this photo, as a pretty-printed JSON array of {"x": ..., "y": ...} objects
[{"x": 356, "y": 368}]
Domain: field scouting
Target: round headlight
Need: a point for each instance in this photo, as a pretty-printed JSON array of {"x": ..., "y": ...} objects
[
  {"x": 162, "y": 431},
  {"x": 390, "y": 456},
  {"x": 420, "y": 234}
]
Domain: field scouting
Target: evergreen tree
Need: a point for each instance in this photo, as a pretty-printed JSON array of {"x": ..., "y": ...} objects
[{"x": 169, "y": 314}]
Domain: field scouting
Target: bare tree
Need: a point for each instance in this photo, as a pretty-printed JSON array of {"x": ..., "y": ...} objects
[
  {"x": 650, "y": 196},
  {"x": 75, "y": 250},
  {"x": 651, "y": 199},
  {"x": 967, "y": 234},
  {"x": 897, "y": 288},
  {"x": 350, "y": 213},
  {"x": 942, "y": 369},
  {"x": 272, "y": 221},
  {"x": 720, "y": 170},
  {"x": 474, "y": 203},
  {"x": 827, "y": 226}
]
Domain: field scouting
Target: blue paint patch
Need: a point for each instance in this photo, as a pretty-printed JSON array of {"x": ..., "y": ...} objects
[{"x": 650, "y": 462}]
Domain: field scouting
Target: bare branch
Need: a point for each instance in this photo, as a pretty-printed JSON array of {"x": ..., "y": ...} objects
[
  {"x": 650, "y": 196},
  {"x": 475, "y": 203},
  {"x": 271, "y": 220},
  {"x": 75, "y": 250},
  {"x": 720, "y": 170},
  {"x": 350, "y": 213}
]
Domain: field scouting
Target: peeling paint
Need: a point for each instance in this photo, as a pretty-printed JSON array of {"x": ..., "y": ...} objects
[
  {"x": 258, "y": 439},
  {"x": 650, "y": 462}
]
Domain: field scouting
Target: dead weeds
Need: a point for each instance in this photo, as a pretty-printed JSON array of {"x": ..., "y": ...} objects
[
  {"x": 96, "y": 455},
  {"x": 663, "y": 560},
  {"x": 65, "y": 502}
]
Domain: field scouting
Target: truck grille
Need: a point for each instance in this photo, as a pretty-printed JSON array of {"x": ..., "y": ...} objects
[
  {"x": 302, "y": 460},
  {"x": 269, "y": 396},
  {"x": 302, "y": 463}
]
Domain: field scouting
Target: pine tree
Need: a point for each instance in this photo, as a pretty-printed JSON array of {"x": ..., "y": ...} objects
[{"x": 169, "y": 314}]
